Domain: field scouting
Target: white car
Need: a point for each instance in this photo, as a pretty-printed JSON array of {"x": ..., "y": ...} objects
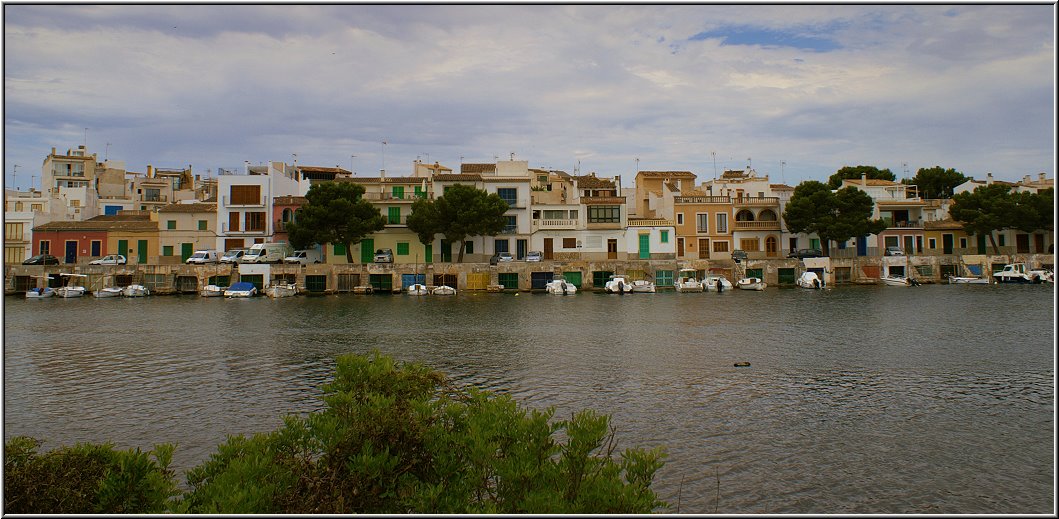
[
  {"x": 113, "y": 259},
  {"x": 534, "y": 255}
]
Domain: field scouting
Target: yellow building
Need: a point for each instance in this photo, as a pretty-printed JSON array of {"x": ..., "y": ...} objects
[{"x": 185, "y": 228}]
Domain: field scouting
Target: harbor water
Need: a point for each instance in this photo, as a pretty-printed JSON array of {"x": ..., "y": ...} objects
[{"x": 858, "y": 399}]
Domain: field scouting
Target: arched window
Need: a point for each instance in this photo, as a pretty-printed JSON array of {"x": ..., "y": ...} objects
[
  {"x": 767, "y": 216},
  {"x": 288, "y": 215},
  {"x": 744, "y": 215}
]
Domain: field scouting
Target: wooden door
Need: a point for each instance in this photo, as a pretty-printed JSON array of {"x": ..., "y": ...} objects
[
  {"x": 612, "y": 249},
  {"x": 548, "y": 248},
  {"x": 704, "y": 248}
]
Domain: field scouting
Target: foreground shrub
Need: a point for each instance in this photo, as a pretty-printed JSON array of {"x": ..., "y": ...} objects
[
  {"x": 85, "y": 479},
  {"x": 399, "y": 439}
]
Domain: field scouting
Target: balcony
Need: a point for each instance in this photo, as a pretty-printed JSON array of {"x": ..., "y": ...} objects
[
  {"x": 155, "y": 198},
  {"x": 602, "y": 200},
  {"x": 765, "y": 225},
  {"x": 702, "y": 199},
  {"x": 548, "y": 224},
  {"x": 904, "y": 224},
  {"x": 388, "y": 197},
  {"x": 764, "y": 201},
  {"x": 227, "y": 201},
  {"x": 245, "y": 232}
]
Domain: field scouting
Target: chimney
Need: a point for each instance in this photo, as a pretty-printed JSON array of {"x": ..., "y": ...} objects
[
  {"x": 1026, "y": 179},
  {"x": 150, "y": 171},
  {"x": 988, "y": 179},
  {"x": 863, "y": 179},
  {"x": 1040, "y": 176}
]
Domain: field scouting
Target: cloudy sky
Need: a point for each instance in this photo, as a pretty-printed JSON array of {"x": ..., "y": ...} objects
[{"x": 798, "y": 91}]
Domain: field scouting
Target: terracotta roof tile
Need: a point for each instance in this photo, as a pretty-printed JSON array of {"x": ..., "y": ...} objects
[
  {"x": 465, "y": 177},
  {"x": 477, "y": 168},
  {"x": 592, "y": 181},
  {"x": 317, "y": 169},
  {"x": 666, "y": 174},
  {"x": 189, "y": 208},
  {"x": 289, "y": 200}
]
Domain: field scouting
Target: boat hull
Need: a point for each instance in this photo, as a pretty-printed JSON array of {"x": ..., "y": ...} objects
[
  {"x": 895, "y": 281},
  {"x": 70, "y": 291},
  {"x": 108, "y": 292},
  {"x": 958, "y": 280},
  {"x": 444, "y": 290},
  {"x": 212, "y": 291},
  {"x": 136, "y": 291},
  {"x": 418, "y": 290},
  {"x": 40, "y": 293},
  {"x": 751, "y": 284},
  {"x": 275, "y": 291},
  {"x": 560, "y": 288}
]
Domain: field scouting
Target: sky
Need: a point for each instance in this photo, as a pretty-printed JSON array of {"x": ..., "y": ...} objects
[{"x": 794, "y": 91}]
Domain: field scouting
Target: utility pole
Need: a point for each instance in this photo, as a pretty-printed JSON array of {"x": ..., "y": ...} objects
[
  {"x": 351, "y": 157},
  {"x": 782, "y": 164},
  {"x": 14, "y": 174},
  {"x": 637, "y": 165},
  {"x": 714, "y": 155},
  {"x": 86, "y": 140},
  {"x": 383, "y": 156},
  {"x": 106, "y": 155}
]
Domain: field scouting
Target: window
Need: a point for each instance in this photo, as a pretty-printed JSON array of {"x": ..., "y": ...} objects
[
  {"x": 554, "y": 214},
  {"x": 509, "y": 194},
  {"x": 338, "y": 249},
  {"x": 749, "y": 244},
  {"x": 18, "y": 206},
  {"x": 419, "y": 192},
  {"x": 702, "y": 222},
  {"x": 45, "y": 247},
  {"x": 932, "y": 243},
  {"x": 604, "y": 214},
  {"x": 202, "y": 225},
  {"x": 663, "y": 236},
  {"x": 1000, "y": 240},
  {"x": 97, "y": 247},
  {"x": 245, "y": 195},
  {"x": 402, "y": 248},
  {"x": 500, "y": 245},
  {"x": 233, "y": 221},
  {"x": 890, "y": 241},
  {"x": 36, "y": 208},
  {"x": 170, "y": 224},
  {"x": 680, "y": 218},
  {"x": 152, "y": 195},
  {"x": 569, "y": 243},
  {"x": 167, "y": 250},
  {"x": 398, "y": 192},
  {"x": 468, "y": 247},
  {"x": 13, "y": 231},
  {"x": 963, "y": 243},
  {"x": 512, "y": 225},
  {"x": 720, "y": 246},
  {"x": 722, "y": 223},
  {"x": 393, "y": 215},
  {"x": 255, "y": 222},
  {"x": 75, "y": 203}
]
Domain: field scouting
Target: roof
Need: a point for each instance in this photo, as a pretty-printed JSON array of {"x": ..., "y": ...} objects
[
  {"x": 465, "y": 177},
  {"x": 317, "y": 169},
  {"x": 734, "y": 173},
  {"x": 781, "y": 187},
  {"x": 472, "y": 167},
  {"x": 189, "y": 208},
  {"x": 289, "y": 200},
  {"x": 592, "y": 181},
  {"x": 947, "y": 223},
  {"x": 666, "y": 174},
  {"x": 103, "y": 223},
  {"x": 871, "y": 182}
]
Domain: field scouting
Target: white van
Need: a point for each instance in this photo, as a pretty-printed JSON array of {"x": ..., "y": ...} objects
[
  {"x": 202, "y": 257},
  {"x": 304, "y": 257},
  {"x": 266, "y": 253}
]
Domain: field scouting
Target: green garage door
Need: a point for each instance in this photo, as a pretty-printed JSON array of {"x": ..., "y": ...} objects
[{"x": 367, "y": 251}]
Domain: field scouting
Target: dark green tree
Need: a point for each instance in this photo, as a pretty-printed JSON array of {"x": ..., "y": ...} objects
[
  {"x": 334, "y": 212},
  {"x": 835, "y": 181},
  {"x": 1037, "y": 211},
  {"x": 936, "y": 182},
  {"x": 461, "y": 212},
  {"x": 984, "y": 210},
  {"x": 837, "y": 216}
]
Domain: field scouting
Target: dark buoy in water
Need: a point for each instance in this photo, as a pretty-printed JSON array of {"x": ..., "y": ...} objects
[{"x": 742, "y": 364}]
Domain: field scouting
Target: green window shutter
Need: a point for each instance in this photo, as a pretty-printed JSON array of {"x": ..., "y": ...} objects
[
  {"x": 402, "y": 248},
  {"x": 167, "y": 250},
  {"x": 469, "y": 246},
  {"x": 202, "y": 225},
  {"x": 428, "y": 253},
  {"x": 419, "y": 192},
  {"x": 123, "y": 247},
  {"x": 367, "y": 251},
  {"x": 393, "y": 215},
  {"x": 339, "y": 249},
  {"x": 398, "y": 192},
  {"x": 170, "y": 224},
  {"x": 664, "y": 236}
]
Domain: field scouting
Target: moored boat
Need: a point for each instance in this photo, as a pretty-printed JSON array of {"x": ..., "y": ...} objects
[
  {"x": 418, "y": 289},
  {"x": 967, "y": 280},
  {"x": 560, "y": 286},
  {"x": 643, "y": 286},
  {"x": 751, "y": 284},
  {"x": 212, "y": 291},
  {"x": 895, "y": 281},
  {"x": 1018, "y": 273},
  {"x": 108, "y": 292},
  {"x": 716, "y": 282},
  {"x": 809, "y": 279},
  {"x": 241, "y": 289},
  {"x": 282, "y": 290},
  {"x": 687, "y": 282},
  {"x": 618, "y": 285},
  {"x": 69, "y": 290},
  {"x": 444, "y": 290},
  {"x": 135, "y": 291},
  {"x": 40, "y": 293}
]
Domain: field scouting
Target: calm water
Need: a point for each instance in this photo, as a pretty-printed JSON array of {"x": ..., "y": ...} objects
[{"x": 934, "y": 399}]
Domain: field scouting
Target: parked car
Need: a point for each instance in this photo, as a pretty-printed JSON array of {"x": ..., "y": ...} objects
[
  {"x": 534, "y": 255},
  {"x": 894, "y": 251},
  {"x": 805, "y": 253},
  {"x": 303, "y": 257},
  {"x": 739, "y": 255},
  {"x": 501, "y": 257},
  {"x": 267, "y": 253},
  {"x": 202, "y": 257},
  {"x": 233, "y": 256},
  {"x": 113, "y": 259},
  {"x": 384, "y": 256},
  {"x": 44, "y": 259}
]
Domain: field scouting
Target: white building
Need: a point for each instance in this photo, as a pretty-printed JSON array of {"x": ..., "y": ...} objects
[{"x": 244, "y": 203}]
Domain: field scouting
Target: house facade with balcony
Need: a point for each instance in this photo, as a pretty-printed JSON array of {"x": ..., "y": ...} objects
[
  {"x": 650, "y": 239},
  {"x": 604, "y": 217},
  {"x": 245, "y": 203},
  {"x": 555, "y": 216},
  {"x": 900, "y": 207},
  {"x": 393, "y": 196},
  {"x": 185, "y": 228},
  {"x": 511, "y": 180}
]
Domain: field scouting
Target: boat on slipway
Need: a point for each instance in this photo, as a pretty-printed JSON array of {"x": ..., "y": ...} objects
[
  {"x": 716, "y": 283},
  {"x": 418, "y": 289},
  {"x": 687, "y": 282},
  {"x": 809, "y": 279},
  {"x": 444, "y": 290}
]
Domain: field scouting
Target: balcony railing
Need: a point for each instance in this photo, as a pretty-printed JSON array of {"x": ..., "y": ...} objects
[
  {"x": 547, "y": 224},
  {"x": 764, "y": 201},
  {"x": 154, "y": 198},
  {"x": 509, "y": 230},
  {"x": 702, "y": 199},
  {"x": 761, "y": 225},
  {"x": 227, "y": 201},
  {"x": 256, "y": 232},
  {"x": 602, "y": 200},
  {"x": 378, "y": 197}
]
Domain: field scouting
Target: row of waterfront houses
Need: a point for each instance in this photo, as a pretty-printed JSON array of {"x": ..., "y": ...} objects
[{"x": 86, "y": 209}]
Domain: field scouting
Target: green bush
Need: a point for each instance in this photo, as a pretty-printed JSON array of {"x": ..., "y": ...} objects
[
  {"x": 85, "y": 479},
  {"x": 400, "y": 439}
]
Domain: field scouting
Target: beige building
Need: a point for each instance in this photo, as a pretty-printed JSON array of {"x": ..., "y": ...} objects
[{"x": 184, "y": 228}]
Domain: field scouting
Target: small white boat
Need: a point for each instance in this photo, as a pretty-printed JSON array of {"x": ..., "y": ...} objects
[
  {"x": 212, "y": 291},
  {"x": 751, "y": 284},
  {"x": 1018, "y": 273},
  {"x": 444, "y": 290},
  {"x": 40, "y": 293},
  {"x": 136, "y": 291},
  {"x": 966, "y": 280},
  {"x": 687, "y": 282},
  {"x": 560, "y": 286},
  {"x": 282, "y": 290},
  {"x": 1044, "y": 275},
  {"x": 68, "y": 290},
  {"x": 641, "y": 286},
  {"x": 717, "y": 283},
  {"x": 418, "y": 289},
  {"x": 895, "y": 281},
  {"x": 809, "y": 280},
  {"x": 618, "y": 285},
  {"x": 241, "y": 289},
  {"x": 108, "y": 292}
]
